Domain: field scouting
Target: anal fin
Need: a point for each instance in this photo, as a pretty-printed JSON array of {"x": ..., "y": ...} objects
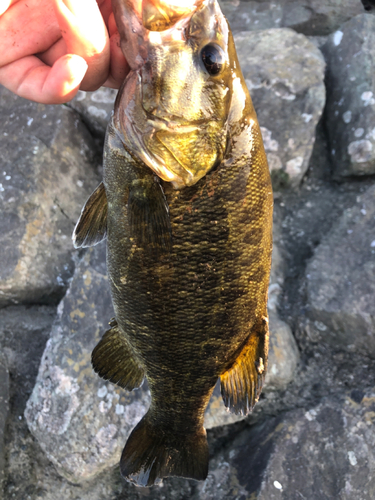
[
  {"x": 242, "y": 384},
  {"x": 91, "y": 227},
  {"x": 113, "y": 360}
]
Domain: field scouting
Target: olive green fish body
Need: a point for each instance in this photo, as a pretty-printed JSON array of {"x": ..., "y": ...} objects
[{"x": 189, "y": 252}]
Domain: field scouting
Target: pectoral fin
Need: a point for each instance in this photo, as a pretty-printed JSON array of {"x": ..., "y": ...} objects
[
  {"x": 242, "y": 384},
  {"x": 113, "y": 360},
  {"x": 91, "y": 227},
  {"x": 148, "y": 216}
]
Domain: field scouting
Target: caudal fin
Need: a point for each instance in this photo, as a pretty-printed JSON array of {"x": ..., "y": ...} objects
[{"x": 151, "y": 454}]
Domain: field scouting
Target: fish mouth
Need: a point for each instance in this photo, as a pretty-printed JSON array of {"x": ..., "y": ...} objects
[{"x": 160, "y": 15}]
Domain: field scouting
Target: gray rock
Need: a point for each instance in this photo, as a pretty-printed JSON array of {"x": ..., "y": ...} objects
[
  {"x": 4, "y": 406},
  {"x": 310, "y": 17},
  {"x": 95, "y": 108},
  {"x": 80, "y": 421},
  {"x": 48, "y": 161},
  {"x": 350, "y": 114},
  {"x": 284, "y": 72},
  {"x": 341, "y": 282},
  {"x": 325, "y": 452},
  {"x": 283, "y": 355},
  {"x": 23, "y": 334}
]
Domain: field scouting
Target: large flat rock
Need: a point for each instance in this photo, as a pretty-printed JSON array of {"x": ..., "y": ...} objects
[
  {"x": 284, "y": 73},
  {"x": 47, "y": 172},
  {"x": 341, "y": 282},
  {"x": 350, "y": 114},
  {"x": 310, "y": 17},
  {"x": 322, "y": 452}
]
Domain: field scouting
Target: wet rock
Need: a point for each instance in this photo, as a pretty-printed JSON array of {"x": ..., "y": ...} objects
[
  {"x": 310, "y": 17},
  {"x": 48, "y": 171},
  {"x": 341, "y": 282},
  {"x": 350, "y": 114},
  {"x": 322, "y": 452},
  {"x": 80, "y": 421},
  {"x": 4, "y": 401},
  {"x": 95, "y": 108},
  {"x": 284, "y": 73}
]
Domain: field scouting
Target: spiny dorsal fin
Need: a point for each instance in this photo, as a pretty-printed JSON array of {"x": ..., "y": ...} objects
[
  {"x": 91, "y": 227},
  {"x": 113, "y": 360},
  {"x": 148, "y": 214},
  {"x": 242, "y": 384}
]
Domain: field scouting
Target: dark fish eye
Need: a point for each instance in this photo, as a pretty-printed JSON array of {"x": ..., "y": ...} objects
[{"x": 213, "y": 59}]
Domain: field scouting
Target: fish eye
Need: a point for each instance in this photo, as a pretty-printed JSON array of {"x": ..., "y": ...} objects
[{"x": 213, "y": 58}]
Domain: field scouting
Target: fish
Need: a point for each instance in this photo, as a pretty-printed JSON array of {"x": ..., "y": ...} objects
[{"x": 186, "y": 208}]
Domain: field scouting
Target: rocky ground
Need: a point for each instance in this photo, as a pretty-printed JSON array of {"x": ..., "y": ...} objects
[{"x": 309, "y": 66}]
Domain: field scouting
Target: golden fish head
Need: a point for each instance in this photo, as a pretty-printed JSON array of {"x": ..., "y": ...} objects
[{"x": 172, "y": 110}]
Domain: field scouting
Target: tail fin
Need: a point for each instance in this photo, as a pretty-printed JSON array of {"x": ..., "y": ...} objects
[{"x": 151, "y": 454}]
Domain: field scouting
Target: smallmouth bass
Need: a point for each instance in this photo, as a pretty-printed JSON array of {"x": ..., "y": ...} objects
[{"x": 186, "y": 207}]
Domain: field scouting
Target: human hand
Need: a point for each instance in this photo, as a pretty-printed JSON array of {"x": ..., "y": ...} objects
[{"x": 49, "y": 49}]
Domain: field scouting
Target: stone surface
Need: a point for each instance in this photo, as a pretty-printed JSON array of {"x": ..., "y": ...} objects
[
  {"x": 284, "y": 73},
  {"x": 47, "y": 173},
  {"x": 322, "y": 452},
  {"x": 23, "y": 334},
  {"x": 311, "y": 17},
  {"x": 95, "y": 108},
  {"x": 283, "y": 355},
  {"x": 350, "y": 113},
  {"x": 4, "y": 403},
  {"x": 341, "y": 281}
]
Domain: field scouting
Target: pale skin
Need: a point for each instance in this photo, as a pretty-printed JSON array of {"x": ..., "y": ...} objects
[{"x": 49, "y": 49}]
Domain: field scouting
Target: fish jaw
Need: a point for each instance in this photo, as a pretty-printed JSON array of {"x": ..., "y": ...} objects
[{"x": 170, "y": 112}]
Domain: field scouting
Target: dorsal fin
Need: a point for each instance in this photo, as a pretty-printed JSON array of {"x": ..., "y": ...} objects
[
  {"x": 113, "y": 360},
  {"x": 242, "y": 384},
  {"x": 91, "y": 227}
]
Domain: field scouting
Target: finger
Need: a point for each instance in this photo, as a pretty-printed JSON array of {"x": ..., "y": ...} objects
[
  {"x": 105, "y": 7},
  {"x": 50, "y": 56},
  {"x": 85, "y": 34},
  {"x": 32, "y": 79},
  {"x": 112, "y": 26},
  {"x": 119, "y": 66},
  {"x": 27, "y": 30},
  {"x": 5, "y": 4}
]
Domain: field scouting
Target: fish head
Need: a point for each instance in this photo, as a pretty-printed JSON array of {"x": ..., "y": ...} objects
[{"x": 172, "y": 111}]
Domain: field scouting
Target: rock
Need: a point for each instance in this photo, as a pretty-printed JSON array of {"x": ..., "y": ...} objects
[
  {"x": 310, "y": 17},
  {"x": 48, "y": 161},
  {"x": 322, "y": 452},
  {"x": 95, "y": 108},
  {"x": 4, "y": 401},
  {"x": 350, "y": 114},
  {"x": 284, "y": 72},
  {"x": 80, "y": 421},
  {"x": 23, "y": 334},
  {"x": 341, "y": 282},
  {"x": 283, "y": 355}
]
